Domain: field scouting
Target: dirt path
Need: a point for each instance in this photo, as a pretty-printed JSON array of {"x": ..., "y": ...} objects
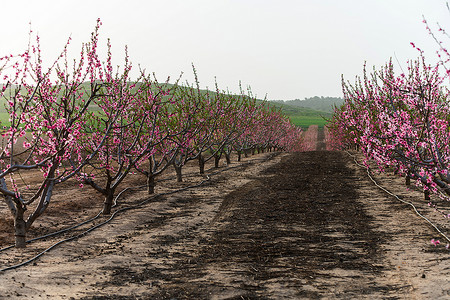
[
  {"x": 320, "y": 144},
  {"x": 301, "y": 225}
]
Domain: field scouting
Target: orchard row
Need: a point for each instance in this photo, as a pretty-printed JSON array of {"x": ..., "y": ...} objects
[
  {"x": 401, "y": 122},
  {"x": 90, "y": 121}
]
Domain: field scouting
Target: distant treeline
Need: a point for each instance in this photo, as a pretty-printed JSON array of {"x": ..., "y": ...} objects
[{"x": 325, "y": 104}]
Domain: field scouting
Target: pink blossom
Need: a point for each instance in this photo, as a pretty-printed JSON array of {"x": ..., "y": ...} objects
[{"x": 435, "y": 242}]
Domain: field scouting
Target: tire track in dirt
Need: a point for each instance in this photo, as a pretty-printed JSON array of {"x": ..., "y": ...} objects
[
  {"x": 132, "y": 257},
  {"x": 312, "y": 226},
  {"x": 297, "y": 232},
  {"x": 300, "y": 226}
]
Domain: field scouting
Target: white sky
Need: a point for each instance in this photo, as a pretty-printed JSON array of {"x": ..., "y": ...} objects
[{"x": 286, "y": 48}]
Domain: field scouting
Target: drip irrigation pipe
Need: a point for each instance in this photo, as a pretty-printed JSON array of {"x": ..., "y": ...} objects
[
  {"x": 56, "y": 232},
  {"x": 34, "y": 258},
  {"x": 73, "y": 227},
  {"x": 115, "y": 204},
  {"x": 398, "y": 198}
]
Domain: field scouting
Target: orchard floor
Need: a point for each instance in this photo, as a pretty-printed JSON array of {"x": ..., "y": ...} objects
[{"x": 278, "y": 226}]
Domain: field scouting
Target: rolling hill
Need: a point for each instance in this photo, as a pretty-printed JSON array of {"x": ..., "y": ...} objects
[{"x": 323, "y": 104}]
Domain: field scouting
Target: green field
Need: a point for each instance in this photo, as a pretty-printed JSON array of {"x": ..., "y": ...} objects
[
  {"x": 300, "y": 116},
  {"x": 303, "y": 116},
  {"x": 298, "y": 120},
  {"x": 306, "y": 121}
]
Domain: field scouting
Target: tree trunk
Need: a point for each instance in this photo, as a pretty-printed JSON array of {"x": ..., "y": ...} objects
[
  {"x": 178, "y": 171},
  {"x": 217, "y": 160},
  {"x": 20, "y": 228},
  {"x": 107, "y": 205},
  {"x": 408, "y": 180},
  {"x": 227, "y": 158},
  {"x": 150, "y": 177},
  {"x": 426, "y": 194},
  {"x": 239, "y": 155},
  {"x": 151, "y": 183},
  {"x": 201, "y": 163},
  {"x": 246, "y": 153}
]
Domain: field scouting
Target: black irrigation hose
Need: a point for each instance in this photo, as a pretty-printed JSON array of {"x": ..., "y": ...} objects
[
  {"x": 398, "y": 198},
  {"x": 56, "y": 232},
  {"x": 115, "y": 204},
  {"x": 73, "y": 227},
  {"x": 98, "y": 225},
  {"x": 34, "y": 258}
]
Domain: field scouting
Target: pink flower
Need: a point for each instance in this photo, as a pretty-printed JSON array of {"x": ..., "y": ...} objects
[
  {"x": 60, "y": 123},
  {"x": 435, "y": 242}
]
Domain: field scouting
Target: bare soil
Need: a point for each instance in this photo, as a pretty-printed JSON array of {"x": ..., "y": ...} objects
[{"x": 305, "y": 225}]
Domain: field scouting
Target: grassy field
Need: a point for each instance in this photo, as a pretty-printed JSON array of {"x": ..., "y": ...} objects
[
  {"x": 297, "y": 119},
  {"x": 306, "y": 121},
  {"x": 302, "y": 116}
]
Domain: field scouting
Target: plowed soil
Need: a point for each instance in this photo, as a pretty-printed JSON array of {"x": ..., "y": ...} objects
[{"x": 278, "y": 226}]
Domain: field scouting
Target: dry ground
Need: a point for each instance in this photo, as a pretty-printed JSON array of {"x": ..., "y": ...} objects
[{"x": 278, "y": 226}]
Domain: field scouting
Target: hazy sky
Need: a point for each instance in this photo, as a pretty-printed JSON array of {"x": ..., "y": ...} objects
[{"x": 286, "y": 49}]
